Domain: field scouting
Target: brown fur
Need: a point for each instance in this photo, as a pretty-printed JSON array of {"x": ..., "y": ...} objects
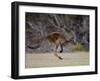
[{"x": 57, "y": 39}]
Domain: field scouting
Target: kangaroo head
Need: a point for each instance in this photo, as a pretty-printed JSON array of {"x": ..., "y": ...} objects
[{"x": 72, "y": 40}]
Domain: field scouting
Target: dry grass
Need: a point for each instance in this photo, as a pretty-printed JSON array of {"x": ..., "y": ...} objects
[{"x": 49, "y": 60}]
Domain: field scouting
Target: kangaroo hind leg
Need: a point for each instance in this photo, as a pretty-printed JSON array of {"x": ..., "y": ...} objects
[
  {"x": 61, "y": 48},
  {"x": 57, "y": 54}
]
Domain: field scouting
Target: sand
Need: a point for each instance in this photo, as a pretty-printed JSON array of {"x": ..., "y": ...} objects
[{"x": 49, "y": 60}]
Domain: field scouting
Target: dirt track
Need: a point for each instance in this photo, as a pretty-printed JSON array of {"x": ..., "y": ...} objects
[{"x": 49, "y": 60}]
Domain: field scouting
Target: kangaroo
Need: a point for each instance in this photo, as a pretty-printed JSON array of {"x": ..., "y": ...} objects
[{"x": 58, "y": 40}]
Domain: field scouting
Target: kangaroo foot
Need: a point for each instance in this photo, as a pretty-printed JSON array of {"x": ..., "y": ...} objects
[{"x": 60, "y": 58}]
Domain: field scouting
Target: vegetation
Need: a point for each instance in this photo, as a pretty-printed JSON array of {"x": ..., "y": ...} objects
[
  {"x": 78, "y": 47},
  {"x": 41, "y": 24}
]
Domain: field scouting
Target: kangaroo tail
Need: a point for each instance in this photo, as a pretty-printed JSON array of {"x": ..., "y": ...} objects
[{"x": 37, "y": 43}]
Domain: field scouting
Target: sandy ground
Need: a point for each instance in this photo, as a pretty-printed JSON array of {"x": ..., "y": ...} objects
[{"x": 49, "y": 60}]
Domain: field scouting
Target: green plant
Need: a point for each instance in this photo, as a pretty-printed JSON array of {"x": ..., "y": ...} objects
[{"x": 78, "y": 47}]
